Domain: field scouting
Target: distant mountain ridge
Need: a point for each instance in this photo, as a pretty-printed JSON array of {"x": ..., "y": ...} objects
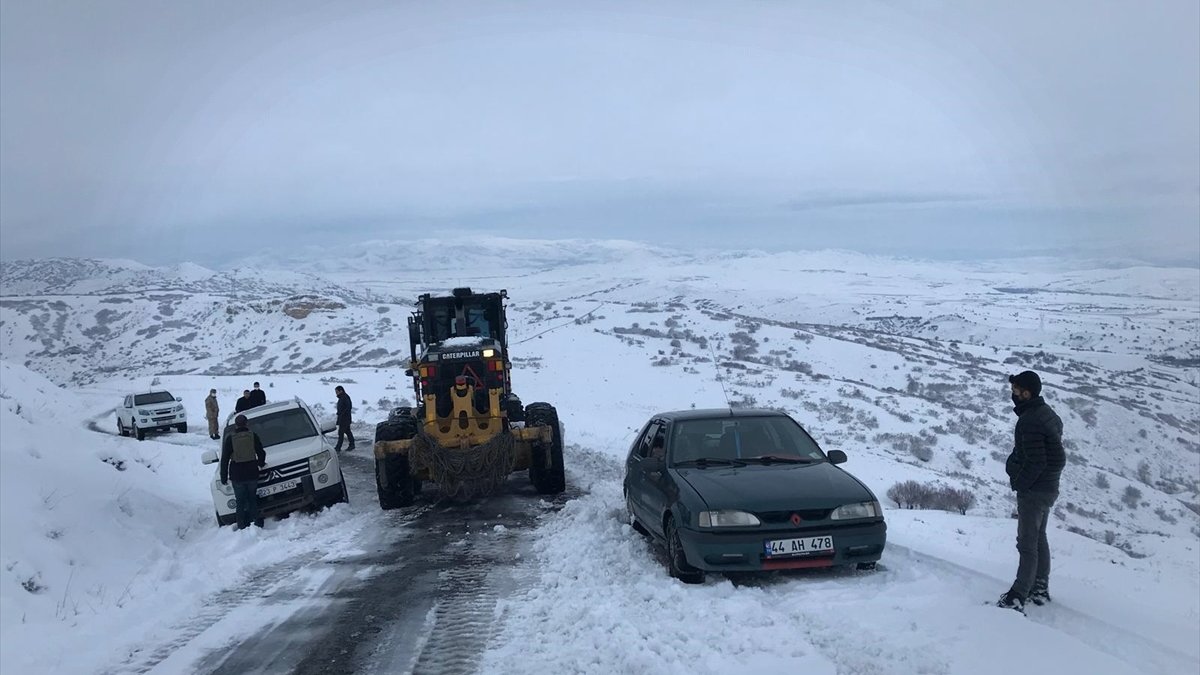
[{"x": 92, "y": 276}]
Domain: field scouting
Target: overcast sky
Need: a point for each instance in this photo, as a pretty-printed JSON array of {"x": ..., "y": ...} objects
[{"x": 169, "y": 131}]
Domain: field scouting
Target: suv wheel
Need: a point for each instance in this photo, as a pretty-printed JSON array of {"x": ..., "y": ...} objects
[{"x": 121, "y": 428}]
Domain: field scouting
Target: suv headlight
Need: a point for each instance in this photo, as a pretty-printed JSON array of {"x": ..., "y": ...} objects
[
  {"x": 225, "y": 488},
  {"x": 179, "y": 408},
  {"x": 727, "y": 519},
  {"x": 143, "y": 413},
  {"x": 318, "y": 462},
  {"x": 852, "y": 511}
]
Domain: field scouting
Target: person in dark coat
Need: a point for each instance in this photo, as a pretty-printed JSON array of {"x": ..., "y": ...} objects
[
  {"x": 257, "y": 396},
  {"x": 1034, "y": 469},
  {"x": 343, "y": 418},
  {"x": 243, "y": 403},
  {"x": 242, "y": 455}
]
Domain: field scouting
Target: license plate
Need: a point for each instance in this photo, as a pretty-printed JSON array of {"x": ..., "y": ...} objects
[
  {"x": 278, "y": 487},
  {"x": 775, "y": 548}
]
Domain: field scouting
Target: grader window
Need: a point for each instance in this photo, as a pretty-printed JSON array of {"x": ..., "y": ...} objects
[{"x": 477, "y": 322}]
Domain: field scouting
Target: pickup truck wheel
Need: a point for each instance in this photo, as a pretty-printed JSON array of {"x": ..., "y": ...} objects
[
  {"x": 141, "y": 435},
  {"x": 182, "y": 428},
  {"x": 121, "y": 428},
  {"x": 230, "y": 519},
  {"x": 345, "y": 498}
]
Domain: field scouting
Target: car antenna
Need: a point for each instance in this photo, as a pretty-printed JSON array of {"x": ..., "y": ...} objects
[{"x": 720, "y": 381}]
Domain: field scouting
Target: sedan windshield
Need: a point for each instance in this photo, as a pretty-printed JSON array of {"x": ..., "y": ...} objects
[
  {"x": 152, "y": 398},
  {"x": 765, "y": 440},
  {"x": 280, "y": 427}
]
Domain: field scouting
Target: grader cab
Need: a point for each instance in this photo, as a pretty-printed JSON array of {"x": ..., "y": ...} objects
[{"x": 468, "y": 430}]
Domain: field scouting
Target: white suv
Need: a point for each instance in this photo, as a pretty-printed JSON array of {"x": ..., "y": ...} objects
[
  {"x": 150, "y": 411},
  {"x": 302, "y": 469}
]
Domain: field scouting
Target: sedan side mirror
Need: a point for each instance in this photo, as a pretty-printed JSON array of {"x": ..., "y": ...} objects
[
  {"x": 408, "y": 372},
  {"x": 836, "y": 456},
  {"x": 332, "y": 427},
  {"x": 209, "y": 457},
  {"x": 179, "y": 399}
]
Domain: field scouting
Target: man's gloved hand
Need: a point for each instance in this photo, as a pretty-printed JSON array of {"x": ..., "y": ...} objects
[{"x": 224, "y": 482}]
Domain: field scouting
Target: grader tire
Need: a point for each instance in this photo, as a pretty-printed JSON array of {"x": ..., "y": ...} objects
[
  {"x": 396, "y": 430},
  {"x": 550, "y": 480},
  {"x": 393, "y": 480}
]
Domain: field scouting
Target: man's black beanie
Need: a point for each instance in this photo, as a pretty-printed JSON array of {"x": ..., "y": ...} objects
[{"x": 1029, "y": 381}]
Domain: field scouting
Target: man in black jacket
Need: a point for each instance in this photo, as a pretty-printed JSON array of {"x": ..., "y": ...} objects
[
  {"x": 243, "y": 403},
  {"x": 242, "y": 455},
  {"x": 343, "y": 418},
  {"x": 1033, "y": 468},
  {"x": 257, "y": 396}
]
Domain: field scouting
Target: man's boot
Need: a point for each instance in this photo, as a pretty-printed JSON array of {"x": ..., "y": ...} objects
[{"x": 1040, "y": 593}]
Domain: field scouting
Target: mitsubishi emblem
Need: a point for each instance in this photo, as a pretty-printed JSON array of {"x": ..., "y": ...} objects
[{"x": 796, "y": 519}]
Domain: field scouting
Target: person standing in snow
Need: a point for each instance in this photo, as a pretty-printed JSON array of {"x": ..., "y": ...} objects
[
  {"x": 343, "y": 418},
  {"x": 211, "y": 412},
  {"x": 257, "y": 396},
  {"x": 243, "y": 403},
  {"x": 1033, "y": 468},
  {"x": 242, "y": 455}
]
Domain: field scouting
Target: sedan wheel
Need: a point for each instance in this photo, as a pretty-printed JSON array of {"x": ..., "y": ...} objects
[{"x": 677, "y": 564}]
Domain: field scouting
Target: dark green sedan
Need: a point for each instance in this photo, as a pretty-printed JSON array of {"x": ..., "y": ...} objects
[{"x": 747, "y": 490}]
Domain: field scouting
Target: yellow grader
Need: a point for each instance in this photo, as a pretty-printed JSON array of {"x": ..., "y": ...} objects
[{"x": 468, "y": 430}]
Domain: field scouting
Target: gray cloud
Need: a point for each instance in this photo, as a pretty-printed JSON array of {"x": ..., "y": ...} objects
[{"x": 181, "y": 130}]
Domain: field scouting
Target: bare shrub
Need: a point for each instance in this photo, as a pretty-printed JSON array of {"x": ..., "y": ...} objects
[
  {"x": 907, "y": 494},
  {"x": 1102, "y": 481},
  {"x": 1131, "y": 497},
  {"x": 1143, "y": 473},
  {"x": 955, "y": 499},
  {"x": 913, "y": 495},
  {"x": 1166, "y": 517}
]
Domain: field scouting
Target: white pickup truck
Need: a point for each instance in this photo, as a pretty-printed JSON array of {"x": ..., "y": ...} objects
[
  {"x": 302, "y": 470},
  {"x": 150, "y": 411}
]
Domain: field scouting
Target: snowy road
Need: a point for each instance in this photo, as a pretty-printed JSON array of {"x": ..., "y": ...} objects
[
  {"x": 421, "y": 599},
  {"x": 406, "y": 591}
]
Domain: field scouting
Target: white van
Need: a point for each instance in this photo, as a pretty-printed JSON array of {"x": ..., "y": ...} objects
[{"x": 302, "y": 470}]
